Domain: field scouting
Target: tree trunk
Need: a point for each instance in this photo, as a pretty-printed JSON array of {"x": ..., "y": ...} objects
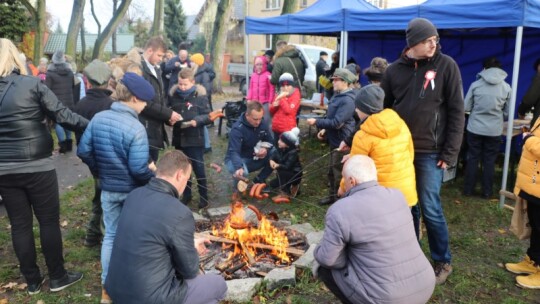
[
  {"x": 39, "y": 14},
  {"x": 95, "y": 17},
  {"x": 289, "y": 7},
  {"x": 83, "y": 43},
  {"x": 74, "y": 27},
  {"x": 157, "y": 25},
  {"x": 113, "y": 42},
  {"x": 219, "y": 39},
  {"x": 102, "y": 39}
]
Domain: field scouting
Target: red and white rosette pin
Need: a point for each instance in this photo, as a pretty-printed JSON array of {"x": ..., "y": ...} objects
[{"x": 430, "y": 76}]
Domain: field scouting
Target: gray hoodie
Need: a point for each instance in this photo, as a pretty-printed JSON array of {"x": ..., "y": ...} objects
[{"x": 487, "y": 102}]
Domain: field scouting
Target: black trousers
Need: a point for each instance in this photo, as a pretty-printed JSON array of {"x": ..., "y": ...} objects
[
  {"x": 481, "y": 149},
  {"x": 196, "y": 155},
  {"x": 26, "y": 194},
  {"x": 533, "y": 211},
  {"x": 334, "y": 172},
  {"x": 285, "y": 179},
  {"x": 325, "y": 275},
  {"x": 93, "y": 229}
]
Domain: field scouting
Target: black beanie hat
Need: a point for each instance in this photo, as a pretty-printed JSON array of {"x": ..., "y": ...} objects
[
  {"x": 290, "y": 138},
  {"x": 369, "y": 99},
  {"x": 418, "y": 30}
]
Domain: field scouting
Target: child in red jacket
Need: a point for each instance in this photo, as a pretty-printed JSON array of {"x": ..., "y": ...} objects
[{"x": 285, "y": 106}]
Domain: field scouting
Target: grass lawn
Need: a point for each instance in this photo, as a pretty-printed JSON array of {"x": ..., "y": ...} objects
[{"x": 480, "y": 241}]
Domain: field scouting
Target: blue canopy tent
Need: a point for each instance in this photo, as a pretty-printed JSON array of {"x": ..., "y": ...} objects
[{"x": 470, "y": 30}]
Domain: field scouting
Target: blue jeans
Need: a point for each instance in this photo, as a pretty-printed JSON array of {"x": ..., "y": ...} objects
[
  {"x": 111, "y": 203},
  {"x": 62, "y": 133},
  {"x": 428, "y": 185},
  {"x": 251, "y": 165}
]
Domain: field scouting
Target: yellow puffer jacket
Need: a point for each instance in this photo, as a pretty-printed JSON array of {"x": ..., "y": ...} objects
[
  {"x": 387, "y": 140},
  {"x": 528, "y": 178}
]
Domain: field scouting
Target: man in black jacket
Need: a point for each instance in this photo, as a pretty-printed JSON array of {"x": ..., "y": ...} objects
[
  {"x": 320, "y": 68},
  {"x": 424, "y": 87},
  {"x": 155, "y": 257},
  {"x": 156, "y": 112},
  {"x": 97, "y": 99}
]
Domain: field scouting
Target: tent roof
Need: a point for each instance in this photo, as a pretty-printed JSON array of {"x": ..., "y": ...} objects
[
  {"x": 328, "y": 16},
  {"x": 323, "y": 16}
]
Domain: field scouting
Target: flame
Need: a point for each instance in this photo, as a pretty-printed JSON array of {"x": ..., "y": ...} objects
[{"x": 265, "y": 233}]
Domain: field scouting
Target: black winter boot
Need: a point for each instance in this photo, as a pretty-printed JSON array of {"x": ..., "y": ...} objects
[
  {"x": 63, "y": 147},
  {"x": 69, "y": 145}
]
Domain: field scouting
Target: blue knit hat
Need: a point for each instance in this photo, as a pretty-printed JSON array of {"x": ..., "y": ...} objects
[{"x": 138, "y": 86}]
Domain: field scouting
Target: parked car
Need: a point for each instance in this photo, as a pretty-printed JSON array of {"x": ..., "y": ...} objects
[{"x": 310, "y": 54}]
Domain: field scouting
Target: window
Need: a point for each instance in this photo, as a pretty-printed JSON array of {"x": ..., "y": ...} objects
[
  {"x": 273, "y": 4},
  {"x": 268, "y": 42}
]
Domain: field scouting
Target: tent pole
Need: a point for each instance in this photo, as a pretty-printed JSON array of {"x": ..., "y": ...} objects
[
  {"x": 342, "y": 50},
  {"x": 246, "y": 47},
  {"x": 345, "y": 48},
  {"x": 511, "y": 111}
]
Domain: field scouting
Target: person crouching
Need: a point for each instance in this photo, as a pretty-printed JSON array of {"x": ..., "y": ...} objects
[{"x": 286, "y": 161}]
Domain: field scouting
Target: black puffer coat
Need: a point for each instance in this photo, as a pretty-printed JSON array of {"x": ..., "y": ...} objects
[{"x": 61, "y": 81}]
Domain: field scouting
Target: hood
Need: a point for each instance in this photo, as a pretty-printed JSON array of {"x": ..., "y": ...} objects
[
  {"x": 287, "y": 51},
  {"x": 244, "y": 121},
  {"x": 351, "y": 92},
  {"x": 60, "y": 68},
  {"x": 199, "y": 89},
  {"x": 493, "y": 75},
  {"x": 384, "y": 124},
  {"x": 201, "y": 69},
  {"x": 264, "y": 61}
]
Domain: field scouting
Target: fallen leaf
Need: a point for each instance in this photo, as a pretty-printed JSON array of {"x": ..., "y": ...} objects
[
  {"x": 69, "y": 187},
  {"x": 10, "y": 285},
  {"x": 4, "y": 301},
  {"x": 40, "y": 302},
  {"x": 305, "y": 214},
  {"x": 458, "y": 202},
  {"x": 63, "y": 224},
  {"x": 22, "y": 286},
  {"x": 502, "y": 231},
  {"x": 88, "y": 295},
  {"x": 85, "y": 213},
  {"x": 501, "y": 265}
]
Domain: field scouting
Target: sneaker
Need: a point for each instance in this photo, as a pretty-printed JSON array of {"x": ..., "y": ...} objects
[
  {"x": 524, "y": 267},
  {"x": 294, "y": 190},
  {"x": 442, "y": 271},
  {"x": 531, "y": 281},
  {"x": 34, "y": 289},
  {"x": 105, "y": 299},
  {"x": 327, "y": 201},
  {"x": 92, "y": 241},
  {"x": 67, "y": 280}
]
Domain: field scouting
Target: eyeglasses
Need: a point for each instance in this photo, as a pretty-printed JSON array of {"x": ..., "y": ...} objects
[{"x": 433, "y": 41}]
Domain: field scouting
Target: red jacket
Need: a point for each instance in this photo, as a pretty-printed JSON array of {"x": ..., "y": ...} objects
[{"x": 284, "y": 115}]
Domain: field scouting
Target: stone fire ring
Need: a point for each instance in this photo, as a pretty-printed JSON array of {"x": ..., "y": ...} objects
[{"x": 242, "y": 290}]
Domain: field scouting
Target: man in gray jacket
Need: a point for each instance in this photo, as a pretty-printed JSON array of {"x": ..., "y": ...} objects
[{"x": 369, "y": 252}]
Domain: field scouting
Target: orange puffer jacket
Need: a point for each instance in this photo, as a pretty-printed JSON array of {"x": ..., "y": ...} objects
[
  {"x": 387, "y": 140},
  {"x": 528, "y": 178}
]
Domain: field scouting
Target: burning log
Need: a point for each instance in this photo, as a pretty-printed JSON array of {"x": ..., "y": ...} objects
[
  {"x": 250, "y": 258},
  {"x": 234, "y": 269},
  {"x": 293, "y": 251}
]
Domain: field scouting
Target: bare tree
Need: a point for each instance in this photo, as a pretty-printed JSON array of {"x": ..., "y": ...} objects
[
  {"x": 74, "y": 27},
  {"x": 92, "y": 9},
  {"x": 102, "y": 39},
  {"x": 83, "y": 42},
  {"x": 218, "y": 40},
  {"x": 157, "y": 25},
  {"x": 115, "y": 7},
  {"x": 289, "y": 7},
  {"x": 39, "y": 15}
]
